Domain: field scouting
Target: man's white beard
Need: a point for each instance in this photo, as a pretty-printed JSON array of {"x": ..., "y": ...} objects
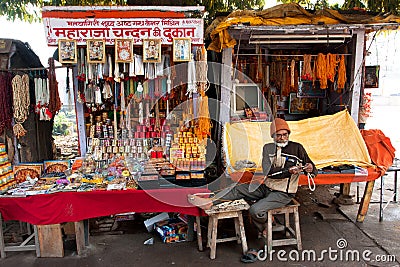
[{"x": 282, "y": 144}]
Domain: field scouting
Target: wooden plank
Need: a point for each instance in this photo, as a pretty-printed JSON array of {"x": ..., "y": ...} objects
[
  {"x": 242, "y": 234},
  {"x": 362, "y": 210},
  {"x": 284, "y": 242},
  {"x": 2, "y": 250},
  {"x": 358, "y": 72},
  {"x": 198, "y": 230},
  {"x": 213, "y": 244},
  {"x": 50, "y": 241}
]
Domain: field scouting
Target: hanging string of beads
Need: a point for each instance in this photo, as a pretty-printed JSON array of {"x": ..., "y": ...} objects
[
  {"x": 21, "y": 102},
  {"x": 54, "y": 100},
  {"x": 204, "y": 122},
  {"x": 5, "y": 101}
]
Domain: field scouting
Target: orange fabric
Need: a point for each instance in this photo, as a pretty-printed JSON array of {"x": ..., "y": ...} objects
[
  {"x": 380, "y": 148},
  {"x": 330, "y": 178}
]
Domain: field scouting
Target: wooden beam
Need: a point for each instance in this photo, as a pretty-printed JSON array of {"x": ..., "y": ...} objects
[
  {"x": 358, "y": 73},
  {"x": 50, "y": 240},
  {"x": 226, "y": 86}
]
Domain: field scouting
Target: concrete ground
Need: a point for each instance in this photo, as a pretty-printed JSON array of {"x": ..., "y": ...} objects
[{"x": 323, "y": 228}]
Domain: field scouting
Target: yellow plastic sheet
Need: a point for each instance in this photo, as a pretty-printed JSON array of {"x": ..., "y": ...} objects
[{"x": 330, "y": 140}]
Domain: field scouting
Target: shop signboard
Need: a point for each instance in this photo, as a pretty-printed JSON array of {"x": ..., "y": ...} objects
[{"x": 111, "y": 29}]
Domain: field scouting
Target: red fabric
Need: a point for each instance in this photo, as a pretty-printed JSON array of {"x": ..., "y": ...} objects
[
  {"x": 334, "y": 178},
  {"x": 76, "y": 206},
  {"x": 380, "y": 148}
]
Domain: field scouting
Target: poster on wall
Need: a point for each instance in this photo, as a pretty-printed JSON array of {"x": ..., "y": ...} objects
[
  {"x": 181, "y": 49},
  {"x": 152, "y": 50},
  {"x": 123, "y": 50},
  {"x": 67, "y": 51},
  {"x": 307, "y": 89},
  {"x": 371, "y": 76},
  {"x": 301, "y": 105},
  {"x": 96, "y": 51}
]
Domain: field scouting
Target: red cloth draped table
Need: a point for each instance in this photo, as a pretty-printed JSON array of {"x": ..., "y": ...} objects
[
  {"x": 48, "y": 210},
  {"x": 76, "y": 206}
]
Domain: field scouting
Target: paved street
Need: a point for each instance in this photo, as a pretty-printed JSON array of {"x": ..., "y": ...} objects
[{"x": 322, "y": 228}]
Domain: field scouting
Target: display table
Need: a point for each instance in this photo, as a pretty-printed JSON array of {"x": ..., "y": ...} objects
[{"x": 50, "y": 209}]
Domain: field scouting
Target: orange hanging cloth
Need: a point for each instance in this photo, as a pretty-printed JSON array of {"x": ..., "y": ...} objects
[
  {"x": 321, "y": 72},
  {"x": 331, "y": 65},
  {"x": 341, "y": 74}
]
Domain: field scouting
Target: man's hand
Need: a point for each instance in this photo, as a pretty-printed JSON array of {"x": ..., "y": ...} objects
[
  {"x": 308, "y": 167},
  {"x": 295, "y": 169}
]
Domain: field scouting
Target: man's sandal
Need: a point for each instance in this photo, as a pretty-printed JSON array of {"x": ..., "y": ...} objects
[{"x": 250, "y": 256}]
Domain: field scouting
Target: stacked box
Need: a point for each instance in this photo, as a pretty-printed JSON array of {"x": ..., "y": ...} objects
[
  {"x": 173, "y": 230},
  {"x": 6, "y": 171}
]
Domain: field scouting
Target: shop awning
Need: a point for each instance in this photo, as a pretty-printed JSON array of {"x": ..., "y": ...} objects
[{"x": 288, "y": 15}]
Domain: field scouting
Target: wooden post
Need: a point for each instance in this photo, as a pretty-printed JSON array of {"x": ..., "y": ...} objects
[
  {"x": 80, "y": 237},
  {"x": 226, "y": 86},
  {"x": 198, "y": 230},
  {"x": 357, "y": 73},
  {"x": 362, "y": 210},
  {"x": 345, "y": 189},
  {"x": 2, "y": 250},
  {"x": 50, "y": 240}
]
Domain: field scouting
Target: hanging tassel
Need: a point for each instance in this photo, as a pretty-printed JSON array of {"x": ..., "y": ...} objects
[
  {"x": 141, "y": 112},
  {"x": 164, "y": 86}
]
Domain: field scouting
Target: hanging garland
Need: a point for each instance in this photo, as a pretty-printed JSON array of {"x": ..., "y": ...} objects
[
  {"x": 321, "y": 73},
  {"x": 5, "y": 101},
  {"x": 204, "y": 122},
  {"x": 21, "y": 102},
  {"x": 54, "y": 100},
  {"x": 331, "y": 65},
  {"x": 341, "y": 74},
  {"x": 306, "y": 72}
]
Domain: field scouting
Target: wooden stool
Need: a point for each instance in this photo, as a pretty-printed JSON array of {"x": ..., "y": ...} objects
[
  {"x": 293, "y": 237},
  {"x": 214, "y": 216}
]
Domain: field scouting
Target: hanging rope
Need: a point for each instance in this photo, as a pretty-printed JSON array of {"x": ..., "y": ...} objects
[{"x": 21, "y": 102}]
